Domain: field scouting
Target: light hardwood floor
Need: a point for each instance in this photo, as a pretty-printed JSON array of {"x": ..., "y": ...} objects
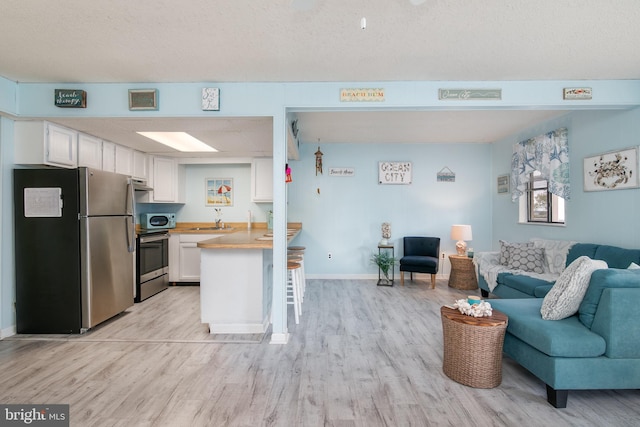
[{"x": 362, "y": 355}]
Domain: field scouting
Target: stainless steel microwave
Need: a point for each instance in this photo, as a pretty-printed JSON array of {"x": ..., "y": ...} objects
[{"x": 150, "y": 221}]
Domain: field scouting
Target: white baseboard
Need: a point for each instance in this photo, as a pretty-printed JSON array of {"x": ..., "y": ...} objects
[
  {"x": 279, "y": 338},
  {"x": 365, "y": 276},
  {"x": 8, "y": 332}
]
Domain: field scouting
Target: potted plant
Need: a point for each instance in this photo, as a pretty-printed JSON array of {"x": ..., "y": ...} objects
[{"x": 385, "y": 263}]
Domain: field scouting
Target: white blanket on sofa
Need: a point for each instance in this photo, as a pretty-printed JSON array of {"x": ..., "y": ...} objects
[{"x": 488, "y": 264}]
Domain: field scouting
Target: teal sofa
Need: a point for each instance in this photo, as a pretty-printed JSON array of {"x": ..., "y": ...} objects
[{"x": 598, "y": 347}]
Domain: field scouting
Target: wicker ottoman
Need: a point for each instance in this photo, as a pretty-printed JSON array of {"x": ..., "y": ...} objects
[{"x": 473, "y": 347}]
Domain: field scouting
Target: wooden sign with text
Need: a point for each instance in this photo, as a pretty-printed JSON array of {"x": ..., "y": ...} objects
[{"x": 70, "y": 98}]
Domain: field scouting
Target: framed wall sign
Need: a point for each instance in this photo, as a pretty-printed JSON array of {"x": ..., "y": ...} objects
[
  {"x": 503, "y": 184},
  {"x": 394, "y": 172},
  {"x": 70, "y": 98},
  {"x": 143, "y": 99}
]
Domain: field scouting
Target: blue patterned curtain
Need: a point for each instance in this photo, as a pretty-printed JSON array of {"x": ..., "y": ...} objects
[{"x": 548, "y": 154}]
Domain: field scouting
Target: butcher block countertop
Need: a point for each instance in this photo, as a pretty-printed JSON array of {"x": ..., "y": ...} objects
[{"x": 256, "y": 238}]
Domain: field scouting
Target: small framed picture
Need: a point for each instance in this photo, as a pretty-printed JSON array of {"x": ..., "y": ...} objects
[
  {"x": 503, "y": 184},
  {"x": 143, "y": 99},
  {"x": 219, "y": 191}
]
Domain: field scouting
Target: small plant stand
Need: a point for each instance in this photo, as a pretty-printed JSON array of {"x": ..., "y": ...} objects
[{"x": 382, "y": 280}]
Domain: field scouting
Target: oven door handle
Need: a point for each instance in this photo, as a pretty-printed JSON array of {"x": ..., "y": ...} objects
[{"x": 148, "y": 239}]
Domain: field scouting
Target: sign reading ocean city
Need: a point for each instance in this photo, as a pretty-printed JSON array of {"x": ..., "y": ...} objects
[{"x": 394, "y": 172}]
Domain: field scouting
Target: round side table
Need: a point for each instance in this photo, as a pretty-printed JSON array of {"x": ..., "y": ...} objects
[
  {"x": 473, "y": 347},
  {"x": 463, "y": 273}
]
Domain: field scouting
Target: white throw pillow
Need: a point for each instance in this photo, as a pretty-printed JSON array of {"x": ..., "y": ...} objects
[
  {"x": 555, "y": 253},
  {"x": 633, "y": 266},
  {"x": 564, "y": 298}
]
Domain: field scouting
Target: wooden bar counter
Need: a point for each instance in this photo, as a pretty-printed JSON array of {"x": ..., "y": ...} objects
[{"x": 236, "y": 280}]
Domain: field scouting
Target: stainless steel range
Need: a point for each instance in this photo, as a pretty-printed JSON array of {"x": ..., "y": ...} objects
[{"x": 152, "y": 263}]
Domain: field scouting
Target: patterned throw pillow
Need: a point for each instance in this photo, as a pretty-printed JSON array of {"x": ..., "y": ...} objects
[
  {"x": 527, "y": 259},
  {"x": 506, "y": 246},
  {"x": 564, "y": 298}
]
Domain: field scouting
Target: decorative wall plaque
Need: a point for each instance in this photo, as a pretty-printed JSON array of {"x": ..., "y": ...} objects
[
  {"x": 143, "y": 99},
  {"x": 470, "y": 94},
  {"x": 211, "y": 99},
  {"x": 394, "y": 172},
  {"x": 362, "y": 95},
  {"x": 576, "y": 93},
  {"x": 342, "y": 171},
  {"x": 70, "y": 98}
]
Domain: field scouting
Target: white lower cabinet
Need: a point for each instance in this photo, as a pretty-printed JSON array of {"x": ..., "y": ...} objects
[{"x": 184, "y": 256}]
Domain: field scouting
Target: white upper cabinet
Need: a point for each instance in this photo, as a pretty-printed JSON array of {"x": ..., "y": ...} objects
[
  {"x": 108, "y": 156},
  {"x": 140, "y": 165},
  {"x": 262, "y": 180},
  {"x": 167, "y": 178},
  {"x": 38, "y": 143},
  {"x": 124, "y": 160},
  {"x": 89, "y": 151}
]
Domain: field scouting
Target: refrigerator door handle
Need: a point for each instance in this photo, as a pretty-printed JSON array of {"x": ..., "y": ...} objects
[
  {"x": 131, "y": 240},
  {"x": 132, "y": 211}
]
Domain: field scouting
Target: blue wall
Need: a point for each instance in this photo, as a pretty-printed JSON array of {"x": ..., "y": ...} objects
[
  {"x": 345, "y": 217},
  {"x": 425, "y": 207},
  {"x": 608, "y": 217}
]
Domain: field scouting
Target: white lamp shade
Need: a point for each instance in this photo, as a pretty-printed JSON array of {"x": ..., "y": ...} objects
[{"x": 461, "y": 232}]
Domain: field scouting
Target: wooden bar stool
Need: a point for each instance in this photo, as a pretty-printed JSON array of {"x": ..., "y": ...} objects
[
  {"x": 293, "y": 289},
  {"x": 299, "y": 251}
]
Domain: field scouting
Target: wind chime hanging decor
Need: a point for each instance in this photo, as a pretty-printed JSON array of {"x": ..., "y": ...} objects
[{"x": 318, "y": 161}]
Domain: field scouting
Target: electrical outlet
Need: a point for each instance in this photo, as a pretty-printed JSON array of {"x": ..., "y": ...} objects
[
  {"x": 443, "y": 255},
  {"x": 329, "y": 255}
]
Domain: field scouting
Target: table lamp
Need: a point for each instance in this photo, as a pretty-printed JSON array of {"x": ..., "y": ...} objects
[{"x": 461, "y": 233}]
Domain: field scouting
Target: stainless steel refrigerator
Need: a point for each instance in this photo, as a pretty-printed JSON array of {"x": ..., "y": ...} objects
[{"x": 74, "y": 248}]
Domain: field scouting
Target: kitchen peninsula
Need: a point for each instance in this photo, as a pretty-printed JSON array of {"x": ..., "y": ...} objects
[{"x": 236, "y": 280}]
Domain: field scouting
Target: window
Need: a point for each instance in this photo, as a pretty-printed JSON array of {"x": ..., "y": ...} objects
[{"x": 542, "y": 206}]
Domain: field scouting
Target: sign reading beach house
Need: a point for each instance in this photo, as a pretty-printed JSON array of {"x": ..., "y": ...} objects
[
  {"x": 361, "y": 95},
  {"x": 394, "y": 172},
  {"x": 342, "y": 171}
]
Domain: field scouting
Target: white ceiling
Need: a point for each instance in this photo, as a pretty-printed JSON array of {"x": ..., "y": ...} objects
[{"x": 76, "y": 41}]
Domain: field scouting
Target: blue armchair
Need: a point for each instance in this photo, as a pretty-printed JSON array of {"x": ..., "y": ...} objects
[{"x": 421, "y": 255}]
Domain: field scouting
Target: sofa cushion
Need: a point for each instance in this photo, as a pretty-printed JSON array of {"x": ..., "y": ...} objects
[
  {"x": 506, "y": 246},
  {"x": 542, "y": 291},
  {"x": 617, "y": 257},
  {"x": 581, "y": 249},
  {"x": 526, "y": 259},
  {"x": 423, "y": 261},
  {"x": 564, "y": 298},
  {"x": 600, "y": 280},
  {"x": 561, "y": 338},
  {"x": 522, "y": 283}
]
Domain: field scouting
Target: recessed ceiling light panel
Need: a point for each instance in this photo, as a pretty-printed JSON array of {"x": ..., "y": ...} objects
[{"x": 180, "y": 141}]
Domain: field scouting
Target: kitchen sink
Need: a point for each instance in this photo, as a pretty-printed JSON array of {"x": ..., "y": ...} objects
[{"x": 207, "y": 228}]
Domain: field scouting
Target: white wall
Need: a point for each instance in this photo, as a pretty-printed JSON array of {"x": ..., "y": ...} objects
[
  {"x": 607, "y": 217},
  {"x": 345, "y": 217}
]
